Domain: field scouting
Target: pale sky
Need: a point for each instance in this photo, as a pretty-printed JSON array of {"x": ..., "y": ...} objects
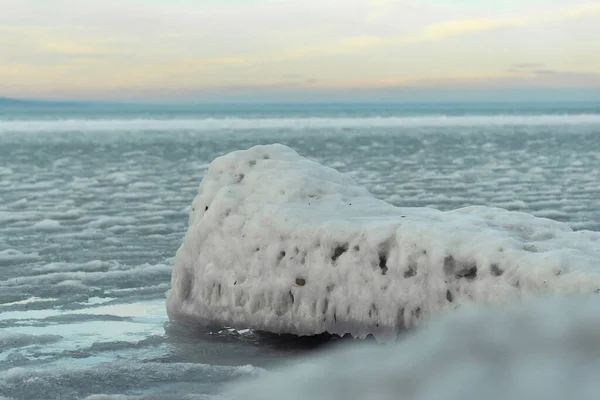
[{"x": 297, "y": 49}]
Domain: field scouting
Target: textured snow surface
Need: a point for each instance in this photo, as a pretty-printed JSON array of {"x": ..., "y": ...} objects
[
  {"x": 546, "y": 349},
  {"x": 279, "y": 243}
]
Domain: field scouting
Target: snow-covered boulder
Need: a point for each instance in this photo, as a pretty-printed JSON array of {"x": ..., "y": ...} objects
[
  {"x": 280, "y": 243},
  {"x": 547, "y": 349}
]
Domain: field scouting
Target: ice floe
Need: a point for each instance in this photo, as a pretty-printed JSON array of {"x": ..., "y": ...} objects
[{"x": 277, "y": 242}]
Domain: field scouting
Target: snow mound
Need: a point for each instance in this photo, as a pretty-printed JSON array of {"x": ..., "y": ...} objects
[
  {"x": 280, "y": 243},
  {"x": 545, "y": 349}
]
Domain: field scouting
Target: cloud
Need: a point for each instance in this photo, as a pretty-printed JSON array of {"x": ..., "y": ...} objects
[
  {"x": 528, "y": 69},
  {"x": 89, "y": 46},
  {"x": 526, "y": 65},
  {"x": 291, "y": 76},
  {"x": 452, "y": 29},
  {"x": 379, "y": 3},
  {"x": 456, "y": 28},
  {"x": 545, "y": 72}
]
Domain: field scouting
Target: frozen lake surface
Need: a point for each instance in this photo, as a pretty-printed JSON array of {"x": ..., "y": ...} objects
[{"x": 92, "y": 211}]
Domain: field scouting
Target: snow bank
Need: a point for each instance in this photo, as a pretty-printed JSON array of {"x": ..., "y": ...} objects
[
  {"x": 279, "y": 243},
  {"x": 546, "y": 349}
]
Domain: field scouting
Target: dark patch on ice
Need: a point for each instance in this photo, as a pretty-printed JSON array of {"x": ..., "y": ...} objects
[
  {"x": 185, "y": 286},
  {"x": 338, "y": 251},
  {"x": 411, "y": 270},
  {"x": 280, "y": 256},
  {"x": 383, "y": 262},
  {"x": 325, "y": 304},
  {"x": 300, "y": 281},
  {"x": 240, "y": 177},
  {"x": 329, "y": 288},
  {"x": 292, "y": 342},
  {"x": 496, "y": 270},
  {"x": 252, "y": 163},
  {"x": 449, "y": 296},
  {"x": 400, "y": 319},
  {"x": 470, "y": 272},
  {"x": 417, "y": 312},
  {"x": 206, "y": 208},
  {"x": 291, "y": 296},
  {"x": 356, "y": 248},
  {"x": 466, "y": 270},
  {"x": 373, "y": 310},
  {"x": 266, "y": 157},
  {"x": 530, "y": 247},
  {"x": 449, "y": 265}
]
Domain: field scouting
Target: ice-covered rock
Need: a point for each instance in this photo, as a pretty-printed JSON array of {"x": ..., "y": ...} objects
[
  {"x": 280, "y": 243},
  {"x": 547, "y": 349}
]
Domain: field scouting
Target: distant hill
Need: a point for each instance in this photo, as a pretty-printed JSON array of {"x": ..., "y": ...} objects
[{"x": 10, "y": 102}]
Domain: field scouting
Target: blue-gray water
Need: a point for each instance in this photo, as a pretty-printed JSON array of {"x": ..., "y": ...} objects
[{"x": 94, "y": 202}]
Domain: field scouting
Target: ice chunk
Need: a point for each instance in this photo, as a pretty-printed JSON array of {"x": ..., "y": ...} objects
[
  {"x": 279, "y": 243},
  {"x": 47, "y": 225},
  {"x": 546, "y": 349}
]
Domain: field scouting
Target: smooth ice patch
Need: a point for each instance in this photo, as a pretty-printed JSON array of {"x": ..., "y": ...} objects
[
  {"x": 28, "y": 300},
  {"x": 279, "y": 243}
]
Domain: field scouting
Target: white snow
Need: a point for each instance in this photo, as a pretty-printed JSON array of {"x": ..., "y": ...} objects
[
  {"x": 279, "y": 243},
  {"x": 105, "y": 221},
  {"x": 547, "y": 349},
  {"x": 47, "y": 225}
]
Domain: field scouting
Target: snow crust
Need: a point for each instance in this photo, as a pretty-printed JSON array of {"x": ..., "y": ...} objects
[
  {"x": 277, "y": 242},
  {"x": 545, "y": 349}
]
